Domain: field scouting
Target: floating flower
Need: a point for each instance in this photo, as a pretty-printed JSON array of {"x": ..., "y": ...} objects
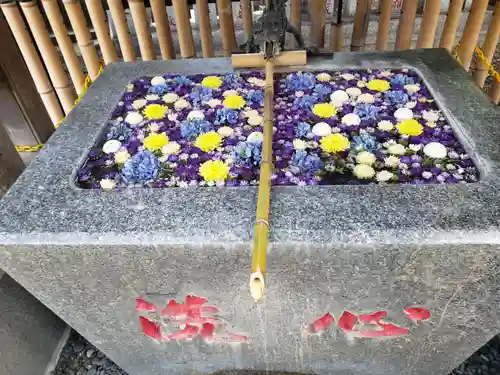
[
  {"x": 234, "y": 102},
  {"x": 339, "y": 97},
  {"x": 364, "y": 142},
  {"x": 171, "y": 97},
  {"x": 107, "y": 184},
  {"x": 255, "y": 96},
  {"x": 255, "y": 120},
  {"x": 392, "y": 161},
  {"x": 255, "y": 137},
  {"x": 195, "y": 115},
  {"x": 120, "y": 132},
  {"x": 256, "y": 81},
  {"x": 305, "y": 162},
  {"x": 366, "y": 98},
  {"x": 324, "y": 110},
  {"x": 225, "y": 131},
  {"x": 152, "y": 97},
  {"x": 411, "y": 105},
  {"x": 212, "y": 103},
  {"x": 415, "y": 147},
  {"x": 321, "y": 129},
  {"x": 248, "y": 153},
  {"x": 385, "y": 73},
  {"x": 171, "y": 148},
  {"x": 334, "y": 143},
  {"x": 365, "y": 157},
  {"x": 251, "y": 113},
  {"x": 158, "y": 80},
  {"x": 121, "y": 157},
  {"x": 367, "y": 111},
  {"x": 155, "y": 142},
  {"x": 431, "y": 116},
  {"x": 396, "y": 149},
  {"x": 182, "y": 80},
  {"x": 363, "y": 171},
  {"x": 384, "y": 176},
  {"x": 322, "y": 90},
  {"x": 159, "y": 89},
  {"x": 430, "y": 124},
  {"x": 304, "y": 102},
  {"x": 401, "y": 80},
  {"x": 379, "y": 85},
  {"x": 112, "y": 146},
  {"x": 299, "y": 144},
  {"x": 181, "y": 104},
  {"x": 226, "y": 116},
  {"x": 155, "y": 111},
  {"x": 214, "y": 170},
  {"x": 142, "y": 167},
  {"x": 300, "y": 81},
  {"x": 353, "y": 91},
  {"x": 200, "y": 95},
  {"x": 229, "y": 93},
  {"x": 139, "y": 103},
  {"x": 134, "y": 118},
  {"x": 303, "y": 129},
  {"x": 208, "y": 141},
  {"x": 403, "y": 114},
  {"x": 348, "y": 76},
  {"x": 435, "y": 150},
  {"x": 192, "y": 129},
  {"x": 410, "y": 127},
  {"x": 385, "y": 125},
  {"x": 351, "y": 119},
  {"x": 397, "y": 97},
  {"x": 412, "y": 88},
  {"x": 323, "y": 77}
]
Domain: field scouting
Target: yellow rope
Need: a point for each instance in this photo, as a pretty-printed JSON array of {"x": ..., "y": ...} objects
[
  {"x": 85, "y": 87},
  {"x": 478, "y": 53}
]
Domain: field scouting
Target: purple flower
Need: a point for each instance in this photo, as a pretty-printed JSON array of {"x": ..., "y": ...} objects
[
  {"x": 304, "y": 102},
  {"x": 142, "y": 167}
]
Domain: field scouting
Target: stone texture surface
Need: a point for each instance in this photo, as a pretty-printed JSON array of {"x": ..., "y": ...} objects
[{"x": 87, "y": 254}]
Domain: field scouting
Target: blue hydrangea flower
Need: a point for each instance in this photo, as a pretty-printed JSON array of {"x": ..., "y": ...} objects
[
  {"x": 159, "y": 89},
  {"x": 323, "y": 90},
  {"x": 300, "y": 81},
  {"x": 248, "y": 153},
  {"x": 255, "y": 96},
  {"x": 401, "y": 80},
  {"x": 302, "y": 129},
  {"x": 306, "y": 163},
  {"x": 200, "y": 95},
  {"x": 304, "y": 102},
  {"x": 193, "y": 128},
  {"x": 364, "y": 142},
  {"x": 142, "y": 167},
  {"x": 397, "y": 97},
  {"x": 182, "y": 80},
  {"x": 226, "y": 115},
  {"x": 231, "y": 79},
  {"x": 366, "y": 111},
  {"x": 119, "y": 132}
]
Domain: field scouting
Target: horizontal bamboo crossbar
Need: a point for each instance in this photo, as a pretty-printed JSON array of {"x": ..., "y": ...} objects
[{"x": 253, "y": 60}]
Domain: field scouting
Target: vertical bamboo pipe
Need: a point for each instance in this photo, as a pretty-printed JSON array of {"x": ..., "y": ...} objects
[
  {"x": 52, "y": 61},
  {"x": 494, "y": 91},
  {"x": 318, "y": 11},
  {"x": 184, "y": 32},
  {"x": 83, "y": 37},
  {"x": 141, "y": 24},
  {"x": 295, "y": 12},
  {"x": 406, "y": 24},
  {"x": 54, "y": 17},
  {"x": 30, "y": 55},
  {"x": 429, "y": 24},
  {"x": 489, "y": 46},
  {"x": 451, "y": 24},
  {"x": 384, "y": 25},
  {"x": 163, "y": 29},
  {"x": 207, "y": 46},
  {"x": 226, "y": 26},
  {"x": 361, "y": 21},
  {"x": 98, "y": 19},
  {"x": 120, "y": 21},
  {"x": 261, "y": 227},
  {"x": 471, "y": 32},
  {"x": 337, "y": 29},
  {"x": 246, "y": 15}
]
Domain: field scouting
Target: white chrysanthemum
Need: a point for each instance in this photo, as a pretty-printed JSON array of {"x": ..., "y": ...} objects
[
  {"x": 255, "y": 137},
  {"x": 229, "y": 93},
  {"x": 321, "y": 129},
  {"x": 366, "y": 98},
  {"x": 403, "y": 114},
  {"x": 181, "y": 104},
  {"x": 154, "y": 127},
  {"x": 384, "y": 176},
  {"x": 385, "y": 125},
  {"x": 111, "y": 146},
  {"x": 158, "y": 80},
  {"x": 385, "y": 73},
  {"x": 139, "y": 103},
  {"x": 251, "y": 113},
  {"x": 365, "y": 157},
  {"x": 347, "y": 76},
  {"x": 353, "y": 91},
  {"x": 415, "y": 147},
  {"x": 152, "y": 97},
  {"x": 134, "y": 118},
  {"x": 171, "y": 148},
  {"x": 172, "y": 116},
  {"x": 339, "y": 97},
  {"x": 212, "y": 103},
  {"x": 396, "y": 149},
  {"x": 430, "y": 124},
  {"x": 255, "y": 120},
  {"x": 435, "y": 150},
  {"x": 225, "y": 131},
  {"x": 195, "y": 115},
  {"x": 363, "y": 171},
  {"x": 170, "y": 97},
  {"x": 432, "y": 116},
  {"x": 107, "y": 184},
  {"x": 299, "y": 144},
  {"x": 121, "y": 157},
  {"x": 361, "y": 84},
  {"x": 351, "y": 119},
  {"x": 129, "y": 87},
  {"x": 256, "y": 81},
  {"x": 324, "y": 77},
  {"x": 392, "y": 161},
  {"x": 410, "y": 105},
  {"x": 412, "y": 88}
]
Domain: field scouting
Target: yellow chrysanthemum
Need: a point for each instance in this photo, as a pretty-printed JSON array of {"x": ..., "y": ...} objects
[
  {"x": 212, "y": 82},
  {"x": 234, "y": 102},
  {"x": 410, "y": 127},
  {"x": 208, "y": 141},
  {"x": 155, "y": 111},
  {"x": 379, "y": 85},
  {"x": 214, "y": 170},
  {"x": 334, "y": 143},
  {"x": 155, "y": 142},
  {"x": 324, "y": 110}
]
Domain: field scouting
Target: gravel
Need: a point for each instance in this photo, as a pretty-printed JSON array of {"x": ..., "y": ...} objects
[{"x": 79, "y": 357}]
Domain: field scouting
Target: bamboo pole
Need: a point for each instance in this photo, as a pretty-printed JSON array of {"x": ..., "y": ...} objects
[
  {"x": 54, "y": 17},
  {"x": 261, "y": 227},
  {"x": 207, "y": 46},
  {"x": 384, "y": 25},
  {"x": 295, "y": 12},
  {"x": 489, "y": 46},
  {"x": 246, "y": 15},
  {"x": 361, "y": 21},
  {"x": 98, "y": 19},
  {"x": 337, "y": 30},
  {"x": 429, "y": 24},
  {"x": 406, "y": 24},
  {"x": 494, "y": 91},
  {"x": 451, "y": 24},
  {"x": 226, "y": 26},
  {"x": 318, "y": 11},
  {"x": 83, "y": 38},
  {"x": 141, "y": 24},
  {"x": 184, "y": 32},
  {"x": 163, "y": 29},
  {"x": 124, "y": 39},
  {"x": 471, "y": 32},
  {"x": 252, "y": 60},
  {"x": 30, "y": 55},
  {"x": 63, "y": 88}
]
